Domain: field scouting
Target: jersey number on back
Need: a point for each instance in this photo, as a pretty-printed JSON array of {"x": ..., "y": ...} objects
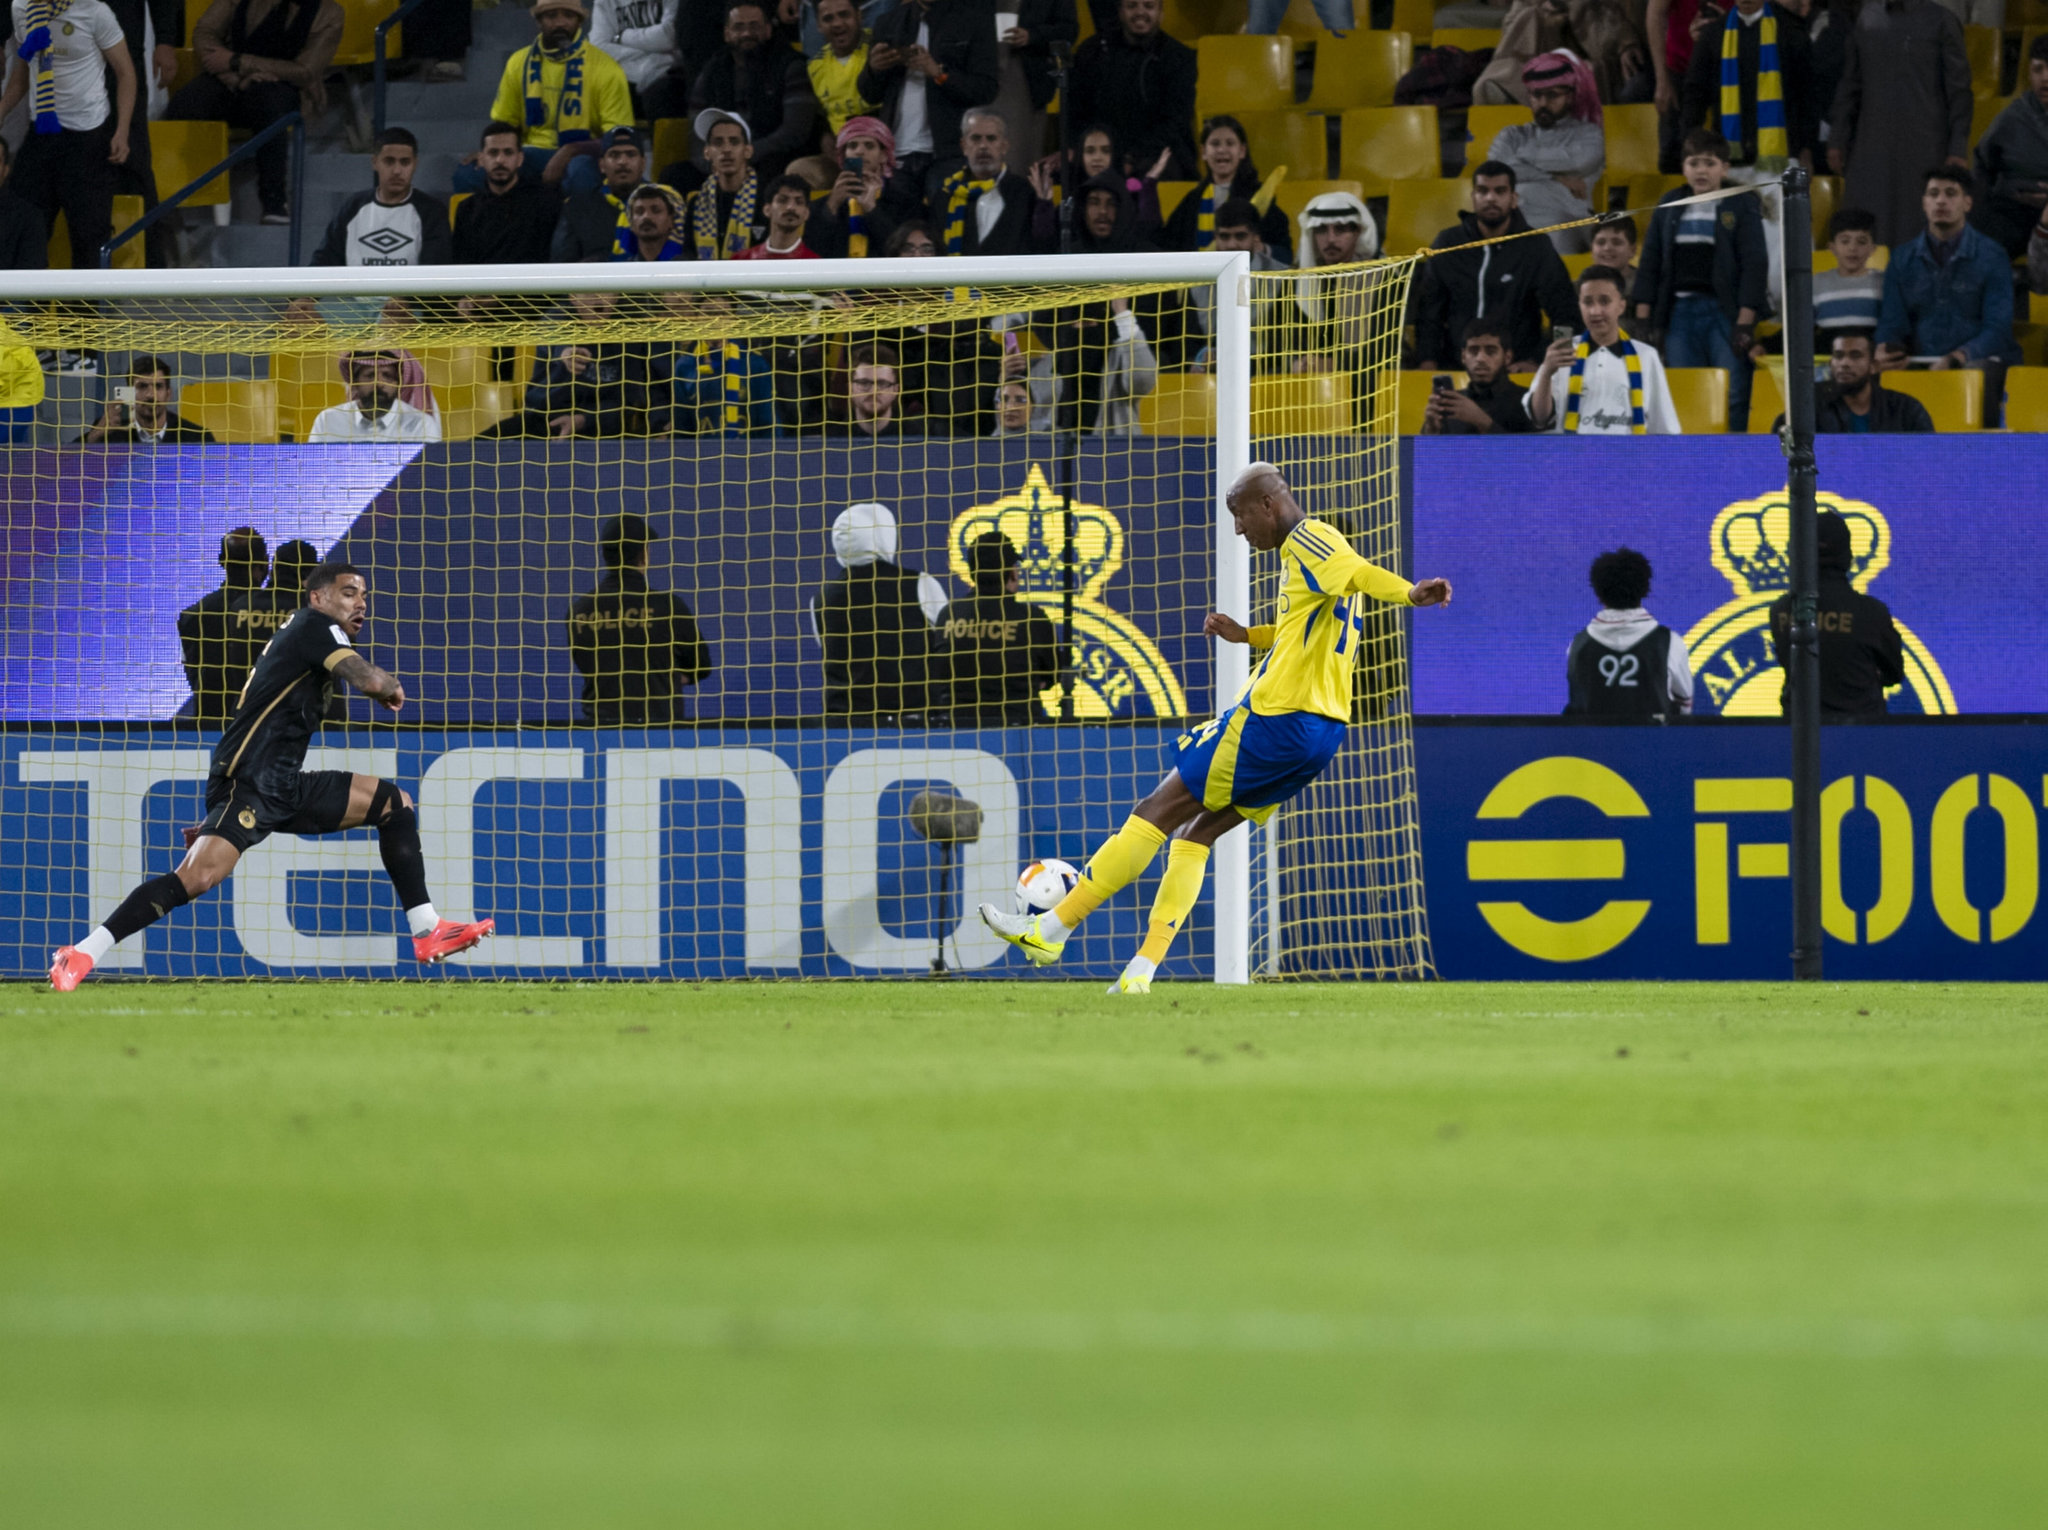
[{"x": 1618, "y": 669}]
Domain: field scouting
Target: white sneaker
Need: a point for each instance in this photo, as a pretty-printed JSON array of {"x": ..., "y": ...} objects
[{"x": 1022, "y": 931}]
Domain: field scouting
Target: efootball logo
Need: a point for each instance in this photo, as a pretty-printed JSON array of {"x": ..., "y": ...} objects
[{"x": 1734, "y": 661}]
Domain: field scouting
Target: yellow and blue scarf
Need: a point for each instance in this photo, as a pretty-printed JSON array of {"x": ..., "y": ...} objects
[
  {"x": 35, "y": 52},
  {"x": 568, "y": 104},
  {"x": 961, "y": 195},
  {"x": 1637, "y": 424},
  {"x": 739, "y": 228},
  {"x": 726, "y": 361},
  {"x": 856, "y": 230},
  {"x": 626, "y": 244},
  {"x": 1772, "y": 146},
  {"x": 1205, "y": 218}
]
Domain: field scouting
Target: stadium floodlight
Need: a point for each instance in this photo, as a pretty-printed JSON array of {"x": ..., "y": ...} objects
[{"x": 1337, "y": 888}]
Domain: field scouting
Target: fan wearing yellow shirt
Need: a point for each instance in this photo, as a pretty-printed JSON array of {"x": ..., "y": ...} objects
[
  {"x": 563, "y": 93},
  {"x": 1271, "y": 742}
]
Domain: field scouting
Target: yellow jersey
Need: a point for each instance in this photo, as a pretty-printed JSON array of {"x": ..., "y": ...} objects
[
  {"x": 1311, "y": 652},
  {"x": 836, "y": 84},
  {"x": 549, "y": 111}
]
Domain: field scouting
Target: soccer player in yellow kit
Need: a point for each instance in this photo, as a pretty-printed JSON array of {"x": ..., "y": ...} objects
[{"x": 1271, "y": 742}]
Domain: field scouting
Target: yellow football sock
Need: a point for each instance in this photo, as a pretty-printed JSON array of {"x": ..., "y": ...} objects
[
  {"x": 1185, "y": 863},
  {"x": 1116, "y": 865}
]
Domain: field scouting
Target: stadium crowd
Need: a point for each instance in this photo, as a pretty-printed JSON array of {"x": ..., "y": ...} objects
[{"x": 878, "y": 128}]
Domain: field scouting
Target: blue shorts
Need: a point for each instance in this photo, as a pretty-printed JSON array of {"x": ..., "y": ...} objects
[{"x": 1252, "y": 762}]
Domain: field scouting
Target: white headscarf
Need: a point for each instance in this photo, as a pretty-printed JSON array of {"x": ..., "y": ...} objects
[
  {"x": 1334, "y": 207},
  {"x": 864, "y": 534}
]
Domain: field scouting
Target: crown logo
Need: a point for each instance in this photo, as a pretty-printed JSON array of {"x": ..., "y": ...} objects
[
  {"x": 1117, "y": 670},
  {"x": 1736, "y": 671}
]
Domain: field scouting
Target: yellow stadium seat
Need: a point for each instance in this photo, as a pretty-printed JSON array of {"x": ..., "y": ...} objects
[
  {"x": 1179, "y": 406},
  {"x": 1417, "y": 211},
  {"x": 1471, "y": 39},
  {"x": 1384, "y": 145},
  {"x": 1955, "y": 398},
  {"x": 1294, "y": 195},
  {"x": 1984, "y": 111},
  {"x": 181, "y": 152},
  {"x": 1984, "y": 45},
  {"x": 1644, "y": 193},
  {"x": 473, "y": 408},
  {"x": 671, "y": 143},
  {"x": 359, "y": 20},
  {"x": 303, "y": 384},
  {"x": 1298, "y": 140},
  {"x": 1700, "y": 395},
  {"x": 1360, "y": 69},
  {"x": 2026, "y": 398},
  {"x": 1171, "y": 195},
  {"x": 242, "y": 412},
  {"x": 1827, "y": 196},
  {"x": 1191, "y": 19},
  {"x": 1415, "y": 17},
  {"x": 129, "y": 257},
  {"x": 1314, "y": 404},
  {"x": 455, "y": 200},
  {"x": 1631, "y": 141},
  {"x": 452, "y": 368},
  {"x": 1766, "y": 400},
  {"x": 1415, "y": 388},
  {"x": 1483, "y": 124},
  {"x": 1824, "y": 260},
  {"x": 1575, "y": 265},
  {"x": 1243, "y": 74}
]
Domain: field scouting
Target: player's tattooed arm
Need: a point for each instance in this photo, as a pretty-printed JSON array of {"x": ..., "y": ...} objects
[{"x": 355, "y": 670}]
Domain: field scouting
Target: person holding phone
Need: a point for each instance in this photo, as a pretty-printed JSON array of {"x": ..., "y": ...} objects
[
  {"x": 1491, "y": 403},
  {"x": 141, "y": 413}
]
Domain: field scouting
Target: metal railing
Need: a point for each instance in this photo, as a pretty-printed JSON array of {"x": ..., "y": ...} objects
[
  {"x": 290, "y": 122},
  {"x": 377, "y": 61}
]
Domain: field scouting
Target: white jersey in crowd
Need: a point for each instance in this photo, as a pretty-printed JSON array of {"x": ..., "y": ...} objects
[
  {"x": 347, "y": 422},
  {"x": 1604, "y": 408},
  {"x": 638, "y": 34},
  {"x": 78, "y": 67},
  {"x": 1619, "y": 631},
  {"x": 913, "y": 115}
]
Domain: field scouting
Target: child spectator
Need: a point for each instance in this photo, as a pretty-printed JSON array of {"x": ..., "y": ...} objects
[
  {"x": 1614, "y": 246},
  {"x": 1849, "y": 297},
  {"x": 1491, "y": 403},
  {"x": 1601, "y": 383},
  {"x": 1704, "y": 276},
  {"x": 1228, "y": 172}
]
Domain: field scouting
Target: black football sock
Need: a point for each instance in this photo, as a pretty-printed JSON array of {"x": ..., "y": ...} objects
[
  {"x": 146, "y": 905},
  {"x": 398, "y": 841}
]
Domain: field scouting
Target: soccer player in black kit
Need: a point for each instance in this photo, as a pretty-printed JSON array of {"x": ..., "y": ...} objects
[{"x": 257, "y": 789}]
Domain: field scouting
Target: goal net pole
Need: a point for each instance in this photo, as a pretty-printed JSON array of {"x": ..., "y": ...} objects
[{"x": 1232, "y": 856}]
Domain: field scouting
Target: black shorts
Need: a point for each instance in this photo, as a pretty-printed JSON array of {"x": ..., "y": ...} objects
[{"x": 311, "y": 802}]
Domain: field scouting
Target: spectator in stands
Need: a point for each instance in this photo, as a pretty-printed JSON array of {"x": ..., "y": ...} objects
[
  {"x": 1602, "y": 33},
  {"x": 912, "y": 241},
  {"x": 928, "y": 61},
  {"x": 1492, "y": 402},
  {"x": 1948, "y": 292},
  {"x": 1588, "y": 384},
  {"x": 789, "y": 211},
  {"x": 136, "y": 175},
  {"x": 2012, "y": 160},
  {"x": 1228, "y": 172},
  {"x": 1141, "y": 83},
  {"x": 389, "y": 223},
  {"x": 1704, "y": 275},
  {"x": 1096, "y": 154},
  {"x": 837, "y": 65},
  {"x": 1522, "y": 283},
  {"x": 512, "y": 220},
  {"x": 77, "y": 136},
  {"x": 205, "y": 629},
  {"x": 652, "y": 230},
  {"x": 640, "y": 35},
  {"x": 146, "y": 418},
  {"x": 24, "y": 236},
  {"x": 1860, "y": 651},
  {"x": 375, "y": 410},
  {"x": 1327, "y": 331},
  {"x": 1557, "y": 157},
  {"x": 1000, "y": 654},
  {"x": 1905, "y": 100},
  {"x": 566, "y": 93},
  {"x": 635, "y": 646},
  {"x": 262, "y": 59},
  {"x": 873, "y": 388},
  {"x": 589, "y": 224},
  {"x": 984, "y": 207},
  {"x": 1264, "y": 16},
  {"x": 1041, "y": 26},
  {"x": 1851, "y": 296},
  {"x": 1238, "y": 225},
  {"x": 875, "y": 619},
  {"x": 1671, "y": 29},
  {"x": 22, "y": 387},
  {"x": 723, "y": 216},
  {"x": 1626, "y": 663},
  {"x": 1852, "y": 400},
  {"x": 1761, "y": 49},
  {"x": 1614, "y": 246},
  {"x": 592, "y": 388},
  {"x": 765, "y": 84},
  {"x": 1098, "y": 359},
  {"x": 713, "y": 387},
  {"x": 867, "y": 203},
  {"x": 1017, "y": 412}
]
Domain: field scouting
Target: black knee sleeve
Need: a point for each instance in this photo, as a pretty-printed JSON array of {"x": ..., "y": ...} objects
[
  {"x": 398, "y": 842},
  {"x": 146, "y": 905},
  {"x": 382, "y": 801}
]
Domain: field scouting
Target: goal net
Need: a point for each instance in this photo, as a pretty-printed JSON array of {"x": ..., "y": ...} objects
[{"x": 716, "y": 591}]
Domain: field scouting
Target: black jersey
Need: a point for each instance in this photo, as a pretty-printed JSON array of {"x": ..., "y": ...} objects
[
  {"x": 283, "y": 701},
  {"x": 1624, "y": 682},
  {"x": 257, "y": 618},
  {"x": 999, "y": 653}
]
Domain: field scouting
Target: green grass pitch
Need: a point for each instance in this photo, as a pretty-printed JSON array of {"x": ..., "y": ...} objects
[{"x": 910, "y": 1255}]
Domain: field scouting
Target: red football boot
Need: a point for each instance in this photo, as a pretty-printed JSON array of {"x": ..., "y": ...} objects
[
  {"x": 448, "y": 938},
  {"x": 68, "y": 968}
]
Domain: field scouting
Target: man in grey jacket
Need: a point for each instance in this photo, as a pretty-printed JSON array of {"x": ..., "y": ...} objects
[
  {"x": 2012, "y": 160},
  {"x": 1557, "y": 158}
]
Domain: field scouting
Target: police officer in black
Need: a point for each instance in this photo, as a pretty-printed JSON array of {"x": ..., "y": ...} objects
[
  {"x": 1626, "y": 663},
  {"x": 214, "y": 666},
  {"x": 1000, "y": 652},
  {"x": 1860, "y": 652},
  {"x": 635, "y": 647}
]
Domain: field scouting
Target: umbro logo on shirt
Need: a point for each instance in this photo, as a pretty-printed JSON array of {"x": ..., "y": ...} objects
[{"x": 387, "y": 242}]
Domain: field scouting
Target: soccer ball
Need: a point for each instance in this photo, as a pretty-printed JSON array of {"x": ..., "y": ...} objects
[{"x": 1043, "y": 884}]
